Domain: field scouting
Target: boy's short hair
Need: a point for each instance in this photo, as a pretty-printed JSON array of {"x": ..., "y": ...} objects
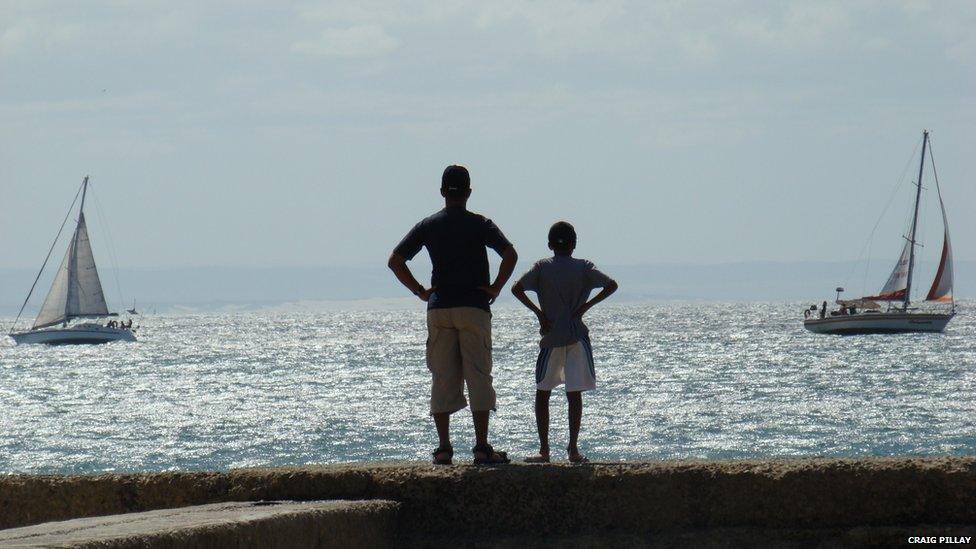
[{"x": 562, "y": 235}]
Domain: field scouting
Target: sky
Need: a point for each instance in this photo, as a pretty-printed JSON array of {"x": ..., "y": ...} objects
[{"x": 283, "y": 134}]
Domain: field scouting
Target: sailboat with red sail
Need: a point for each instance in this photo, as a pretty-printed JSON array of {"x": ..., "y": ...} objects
[{"x": 865, "y": 315}]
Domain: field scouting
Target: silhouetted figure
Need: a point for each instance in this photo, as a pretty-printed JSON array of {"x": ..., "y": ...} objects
[
  {"x": 562, "y": 285},
  {"x": 458, "y": 312}
]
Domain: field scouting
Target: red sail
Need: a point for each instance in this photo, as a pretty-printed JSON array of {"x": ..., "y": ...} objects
[{"x": 941, "y": 289}]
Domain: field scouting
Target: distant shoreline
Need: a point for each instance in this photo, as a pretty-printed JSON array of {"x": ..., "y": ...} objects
[{"x": 203, "y": 289}]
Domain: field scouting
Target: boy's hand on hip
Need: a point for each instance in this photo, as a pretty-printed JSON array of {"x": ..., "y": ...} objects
[
  {"x": 544, "y": 324},
  {"x": 492, "y": 292},
  {"x": 424, "y": 295}
]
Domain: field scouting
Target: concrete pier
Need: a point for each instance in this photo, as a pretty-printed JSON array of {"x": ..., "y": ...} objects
[
  {"x": 268, "y": 525},
  {"x": 802, "y": 501}
]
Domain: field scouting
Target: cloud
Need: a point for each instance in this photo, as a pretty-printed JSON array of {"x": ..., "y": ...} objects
[
  {"x": 560, "y": 27},
  {"x": 798, "y": 26},
  {"x": 368, "y": 40},
  {"x": 20, "y": 35},
  {"x": 956, "y": 29},
  {"x": 43, "y": 28}
]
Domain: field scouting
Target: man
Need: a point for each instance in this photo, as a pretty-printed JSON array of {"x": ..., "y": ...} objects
[{"x": 458, "y": 309}]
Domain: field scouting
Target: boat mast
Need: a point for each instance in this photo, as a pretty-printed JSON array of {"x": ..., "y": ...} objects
[
  {"x": 73, "y": 260},
  {"x": 918, "y": 197},
  {"x": 84, "y": 191}
]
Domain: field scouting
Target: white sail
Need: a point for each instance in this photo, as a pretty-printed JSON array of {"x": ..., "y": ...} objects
[
  {"x": 77, "y": 290},
  {"x": 894, "y": 288},
  {"x": 53, "y": 310}
]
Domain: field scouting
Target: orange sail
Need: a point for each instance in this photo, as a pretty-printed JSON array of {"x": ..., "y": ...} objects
[{"x": 941, "y": 290}]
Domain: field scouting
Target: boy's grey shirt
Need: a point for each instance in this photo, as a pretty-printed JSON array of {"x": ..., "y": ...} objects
[{"x": 563, "y": 283}]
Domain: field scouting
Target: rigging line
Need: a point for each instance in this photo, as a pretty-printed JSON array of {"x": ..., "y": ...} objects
[
  {"x": 868, "y": 244},
  {"x": 46, "y": 258},
  {"x": 870, "y": 241},
  {"x": 111, "y": 248},
  {"x": 935, "y": 174}
]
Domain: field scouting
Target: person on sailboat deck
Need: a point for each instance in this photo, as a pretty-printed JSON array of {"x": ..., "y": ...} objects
[{"x": 458, "y": 309}]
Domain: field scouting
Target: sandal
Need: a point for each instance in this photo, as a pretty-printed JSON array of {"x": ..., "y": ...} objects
[
  {"x": 538, "y": 458},
  {"x": 443, "y": 460},
  {"x": 579, "y": 458},
  {"x": 492, "y": 457}
]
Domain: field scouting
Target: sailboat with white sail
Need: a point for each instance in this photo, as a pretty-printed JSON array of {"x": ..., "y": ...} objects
[
  {"x": 75, "y": 297},
  {"x": 864, "y": 315}
]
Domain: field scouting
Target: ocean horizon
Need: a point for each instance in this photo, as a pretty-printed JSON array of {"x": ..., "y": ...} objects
[
  {"x": 675, "y": 380},
  {"x": 180, "y": 290}
]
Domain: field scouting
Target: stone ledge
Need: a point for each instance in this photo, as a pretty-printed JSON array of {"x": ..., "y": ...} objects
[
  {"x": 557, "y": 500},
  {"x": 236, "y": 524}
]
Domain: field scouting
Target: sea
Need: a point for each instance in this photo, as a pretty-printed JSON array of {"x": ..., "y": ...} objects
[{"x": 675, "y": 380}]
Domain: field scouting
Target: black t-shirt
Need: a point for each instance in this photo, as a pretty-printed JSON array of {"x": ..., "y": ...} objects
[{"x": 456, "y": 240}]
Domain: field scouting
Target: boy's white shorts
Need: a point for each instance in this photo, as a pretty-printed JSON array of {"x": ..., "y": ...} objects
[{"x": 571, "y": 364}]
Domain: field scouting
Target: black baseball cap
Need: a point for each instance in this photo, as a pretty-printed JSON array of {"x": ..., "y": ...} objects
[
  {"x": 562, "y": 234},
  {"x": 456, "y": 181}
]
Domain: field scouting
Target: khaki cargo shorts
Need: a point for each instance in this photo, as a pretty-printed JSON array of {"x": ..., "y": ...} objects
[{"x": 459, "y": 352}]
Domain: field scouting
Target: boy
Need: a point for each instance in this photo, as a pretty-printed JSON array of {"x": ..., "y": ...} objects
[{"x": 562, "y": 284}]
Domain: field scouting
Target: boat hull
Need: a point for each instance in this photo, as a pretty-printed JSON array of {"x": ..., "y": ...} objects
[
  {"x": 879, "y": 323},
  {"x": 73, "y": 336}
]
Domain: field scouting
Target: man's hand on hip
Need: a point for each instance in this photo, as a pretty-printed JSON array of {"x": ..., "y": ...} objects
[
  {"x": 424, "y": 294},
  {"x": 492, "y": 292}
]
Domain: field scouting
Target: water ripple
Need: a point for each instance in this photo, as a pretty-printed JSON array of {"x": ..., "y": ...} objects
[{"x": 676, "y": 380}]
